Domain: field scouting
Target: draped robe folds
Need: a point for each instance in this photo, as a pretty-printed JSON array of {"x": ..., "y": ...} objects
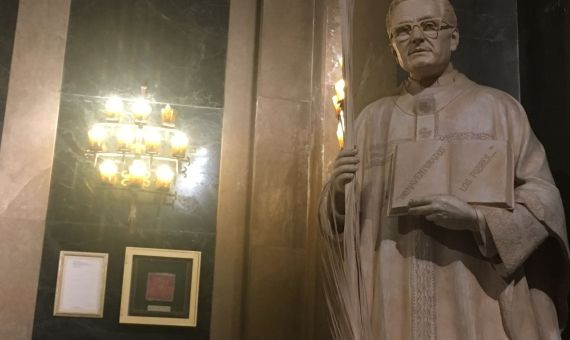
[{"x": 425, "y": 282}]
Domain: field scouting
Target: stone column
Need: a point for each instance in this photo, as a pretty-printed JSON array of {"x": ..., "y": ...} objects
[{"x": 26, "y": 157}]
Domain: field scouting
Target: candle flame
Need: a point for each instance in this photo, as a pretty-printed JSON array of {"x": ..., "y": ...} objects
[
  {"x": 340, "y": 135},
  {"x": 339, "y": 87}
]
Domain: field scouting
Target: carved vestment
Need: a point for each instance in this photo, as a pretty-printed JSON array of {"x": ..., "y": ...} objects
[{"x": 425, "y": 282}]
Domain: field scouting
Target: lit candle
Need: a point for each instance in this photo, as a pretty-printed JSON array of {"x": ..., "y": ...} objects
[
  {"x": 168, "y": 116},
  {"x": 178, "y": 144},
  {"x": 108, "y": 171},
  {"x": 339, "y": 88},
  {"x": 141, "y": 109},
  {"x": 337, "y": 104},
  {"x": 97, "y": 136},
  {"x": 340, "y": 135},
  {"x": 152, "y": 140},
  {"x": 164, "y": 177},
  {"x": 113, "y": 108},
  {"x": 125, "y": 138},
  {"x": 138, "y": 173}
]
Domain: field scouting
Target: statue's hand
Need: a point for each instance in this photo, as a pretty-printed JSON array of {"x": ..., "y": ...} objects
[
  {"x": 345, "y": 166},
  {"x": 446, "y": 211}
]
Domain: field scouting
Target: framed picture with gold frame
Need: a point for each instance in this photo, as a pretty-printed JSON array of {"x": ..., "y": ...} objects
[
  {"x": 80, "y": 288},
  {"x": 160, "y": 287}
]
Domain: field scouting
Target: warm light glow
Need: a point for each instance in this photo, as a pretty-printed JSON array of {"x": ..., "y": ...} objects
[
  {"x": 339, "y": 87},
  {"x": 337, "y": 104},
  {"x": 138, "y": 146},
  {"x": 125, "y": 137},
  {"x": 152, "y": 140},
  {"x": 141, "y": 109},
  {"x": 108, "y": 171},
  {"x": 179, "y": 144},
  {"x": 202, "y": 152},
  {"x": 164, "y": 177},
  {"x": 138, "y": 173},
  {"x": 340, "y": 135},
  {"x": 113, "y": 108},
  {"x": 97, "y": 136},
  {"x": 168, "y": 116},
  {"x": 138, "y": 168}
]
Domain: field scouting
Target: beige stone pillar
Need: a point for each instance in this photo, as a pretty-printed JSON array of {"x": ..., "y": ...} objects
[
  {"x": 26, "y": 157},
  {"x": 235, "y": 172}
]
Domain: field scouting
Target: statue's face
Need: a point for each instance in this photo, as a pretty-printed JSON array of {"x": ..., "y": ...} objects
[{"x": 422, "y": 52}]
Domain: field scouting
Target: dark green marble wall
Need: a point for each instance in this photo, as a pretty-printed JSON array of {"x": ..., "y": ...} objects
[
  {"x": 178, "y": 49},
  {"x": 8, "y": 17}
]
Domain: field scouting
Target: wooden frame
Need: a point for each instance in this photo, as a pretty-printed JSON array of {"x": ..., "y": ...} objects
[
  {"x": 160, "y": 287},
  {"x": 80, "y": 288}
]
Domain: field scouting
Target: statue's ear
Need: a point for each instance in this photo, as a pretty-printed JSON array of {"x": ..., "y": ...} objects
[{"x": 454, "y": 40}]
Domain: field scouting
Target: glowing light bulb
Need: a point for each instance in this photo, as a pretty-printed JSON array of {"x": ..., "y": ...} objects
[
  {"x": 179, "y": 144},
  {"x": 108, "y": 171},
  {"x": 152, "y": 140},
  {"x": 97, "y": 136},
  {"x": 138, "y": 168},
  {"x": 113, "y": 108},
  {"x": 164, "y": 177},
  {"x": 141, "y": 109},
  {"x": 125, "y": 137}
]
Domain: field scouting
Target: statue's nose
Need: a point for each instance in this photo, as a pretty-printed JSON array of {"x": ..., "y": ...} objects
[{"x": 417, "y": 34}]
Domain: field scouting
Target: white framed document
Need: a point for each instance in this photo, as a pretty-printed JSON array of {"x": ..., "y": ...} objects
[
  {"x": 160, "y": 287},
  {"x": 80, "y": 288}
]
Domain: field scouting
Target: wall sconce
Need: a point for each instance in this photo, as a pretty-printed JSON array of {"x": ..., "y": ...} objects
[{"x": 131, "y": 153}]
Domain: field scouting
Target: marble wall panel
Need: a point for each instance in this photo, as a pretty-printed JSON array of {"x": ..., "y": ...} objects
[
  {"x": 9, "y": 10},
  {"x": 488, "y": 51},
  {"x": 177, "y": 48},
  {"x": 280, "y": 167},
  {"x": 63, "y": 236},
  {"x": 276, "y": 302},
  {"x": 285, "y": 57}
]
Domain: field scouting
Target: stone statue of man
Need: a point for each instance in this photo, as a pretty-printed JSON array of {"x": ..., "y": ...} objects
[{"x": 448, "y": 269}]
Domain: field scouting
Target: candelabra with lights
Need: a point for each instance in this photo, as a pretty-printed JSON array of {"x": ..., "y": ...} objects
[{"x": 130, "y": 153}]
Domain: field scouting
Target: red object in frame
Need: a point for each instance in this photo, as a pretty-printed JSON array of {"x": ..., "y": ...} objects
[{"x": 160, "y": 287}]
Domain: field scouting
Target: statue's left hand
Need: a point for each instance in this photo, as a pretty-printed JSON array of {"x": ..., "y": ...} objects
[{"x": 446, "y": 211}]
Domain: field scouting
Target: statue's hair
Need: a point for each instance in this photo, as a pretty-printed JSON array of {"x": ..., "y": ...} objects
[{"x": 447, "y": 11}]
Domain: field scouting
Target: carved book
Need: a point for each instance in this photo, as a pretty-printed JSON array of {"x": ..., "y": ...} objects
[{"x": 478, "y": 172}]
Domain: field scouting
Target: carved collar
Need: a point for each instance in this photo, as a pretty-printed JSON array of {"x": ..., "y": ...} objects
[{"x": 434, "y": 98}]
